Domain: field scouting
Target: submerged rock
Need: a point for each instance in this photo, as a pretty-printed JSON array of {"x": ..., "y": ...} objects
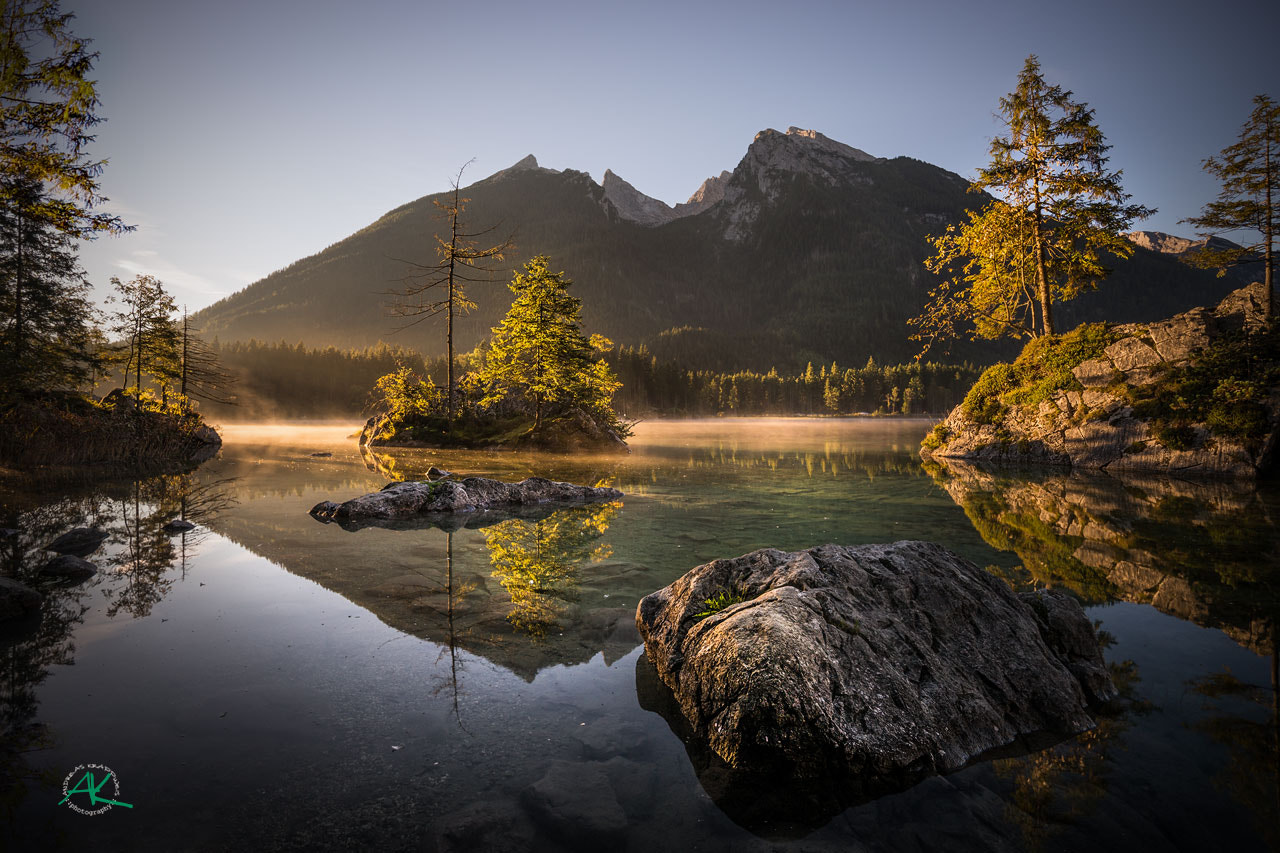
[
  {"x": 17, "y": 601},
  {"x": 79, "y": 541},
  {"x": 442, "y": 497},
  {"x": 68, "y": 568},
  {"x": 886, "y": 662}
]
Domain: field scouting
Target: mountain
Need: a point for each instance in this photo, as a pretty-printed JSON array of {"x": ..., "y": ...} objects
[
  {"x": 1183, "y": 248},
  {"x": 809, "y": 249}
]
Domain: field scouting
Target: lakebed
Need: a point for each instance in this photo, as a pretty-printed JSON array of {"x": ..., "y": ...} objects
[{"x": 269, "y": 682}]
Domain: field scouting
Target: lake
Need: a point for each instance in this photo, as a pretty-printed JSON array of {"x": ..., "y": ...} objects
[{"x": 266, "y": 681}]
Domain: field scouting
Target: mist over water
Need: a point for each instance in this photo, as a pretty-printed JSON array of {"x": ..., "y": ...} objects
[{"x": 270, "y": 682}]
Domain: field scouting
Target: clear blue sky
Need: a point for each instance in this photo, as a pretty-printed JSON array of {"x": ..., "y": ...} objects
[{"x": 245, "y": 135}]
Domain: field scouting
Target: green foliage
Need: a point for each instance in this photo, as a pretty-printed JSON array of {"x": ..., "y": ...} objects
[
  {"x": 1225, "y": 389},
  {"x": 937, "y": 437},
  {"x": 1059, "y": 214},
  {"x": 1250, "y": 197},
  {"x": 718, "y": 602},
  {"x": 403, "y": 394},
  {"x": 1042, "y": 368},
  {"x": 539, "y": 356}
]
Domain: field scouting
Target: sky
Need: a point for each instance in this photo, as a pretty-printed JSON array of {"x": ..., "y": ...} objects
[{"x": 242, "y": 135}]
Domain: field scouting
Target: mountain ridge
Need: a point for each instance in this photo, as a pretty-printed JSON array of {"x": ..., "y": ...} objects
[{"x": 809, "y": 249}]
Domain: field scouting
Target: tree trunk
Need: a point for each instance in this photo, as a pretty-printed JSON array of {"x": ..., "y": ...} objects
[
  {"x": 1269, "y": 225},
  {"x": 453, "y": 249},
  {"x": 1042, "y": 278}
]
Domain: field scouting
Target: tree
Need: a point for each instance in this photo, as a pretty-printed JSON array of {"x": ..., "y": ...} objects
[
  {"x": 439, "y": 288},
  {"x": 1250, "y": 174},
  {"x": 539, "y": 353},
  {"x": 1044, "y": 240},
  {"x": 202, "y": 375},
  {"x": 46, "y": 319},
  {"x": 47, "y": 110},
  {"x": 150, "y": 338}
]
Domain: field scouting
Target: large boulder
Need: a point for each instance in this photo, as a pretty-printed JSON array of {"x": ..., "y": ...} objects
[
  {"x": 881, "y": 661},
  {"x": 414, "y": 498}
]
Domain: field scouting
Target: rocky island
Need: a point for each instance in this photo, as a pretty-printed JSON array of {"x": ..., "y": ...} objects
[
  {"x": 875, "y": 662},
  {"x": 443, "y": 500},
  {"x": 1196, "y": 394}
]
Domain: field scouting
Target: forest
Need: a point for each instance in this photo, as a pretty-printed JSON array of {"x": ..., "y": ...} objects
[{"x": 288, "y": 381}]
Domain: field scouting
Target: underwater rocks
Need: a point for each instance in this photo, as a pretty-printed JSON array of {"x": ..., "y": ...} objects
[
  {"x": 474, "y": 494},
  {"x": 17, "y": 601},
  {"x": 878, "y": 661}
]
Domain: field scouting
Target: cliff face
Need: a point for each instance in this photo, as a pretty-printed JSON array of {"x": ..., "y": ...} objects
[{"x": 1196, "y": 394}]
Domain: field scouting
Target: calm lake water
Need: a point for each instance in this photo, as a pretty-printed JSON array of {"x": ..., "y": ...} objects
[{"x": 269, "y": 682}]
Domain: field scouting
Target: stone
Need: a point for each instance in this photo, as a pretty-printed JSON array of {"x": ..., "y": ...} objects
[
  {"x": 67, "y": 567},
  {"x": 179, "y": 525},
  {"x": 886, "y": 661},
  {"x": 17, "y": 601},
  {"x": 1095, "y": 373},
  {"x": 79, "y": 541},
  {"x": 473, "y": 494},
  {"x": 434, "y": 473},
  {"x": 1178, "y": 338},
  {"x": 322, "y": 454},
  {"x": 576, "y": 802},
  {"x": 1132, "y": 354}
]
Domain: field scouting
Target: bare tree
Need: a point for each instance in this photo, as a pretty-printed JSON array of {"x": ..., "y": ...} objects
[{"x": 439, "y": 288}]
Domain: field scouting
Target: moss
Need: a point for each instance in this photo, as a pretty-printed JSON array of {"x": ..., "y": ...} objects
[
  {"x": 1042, "y": 369},
  {"x": 1136, "y": 447},
  {"x": 718, "y": 602},
  {"x": 937, "y": 437}
]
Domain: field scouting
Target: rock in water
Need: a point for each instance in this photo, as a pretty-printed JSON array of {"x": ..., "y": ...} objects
[
  {"x": 473, "y": 494},
  {"x": 67, "y": 567},
  {"x": 79, "y": 541},
  {"x": 17, "y": 601},
  {"x": 889, "y": 661}
]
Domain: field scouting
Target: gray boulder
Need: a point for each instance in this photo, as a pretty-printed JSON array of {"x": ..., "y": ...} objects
[
  {"x": 877, "y": 661},
  {"x": 79, "y": 541},
  {"x": 67, "y": 567},
  {"x": 441, "y": 497},
  {"x": 17, "y": 601},
  {"x": 179, "y": 525}
]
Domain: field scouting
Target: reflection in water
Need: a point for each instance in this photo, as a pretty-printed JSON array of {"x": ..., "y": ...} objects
[
  {"x": 134, "y": 563},
  {"x": 1252, "y": 776},
  {"x": 1206, "y": 552},
  {"x": 538, "y": 562}
]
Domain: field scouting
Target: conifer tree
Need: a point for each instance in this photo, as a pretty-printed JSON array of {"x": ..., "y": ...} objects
[
  {"x": 150, "y": 339},
  {"x": 1044, "y": 240},
  {"x": 540, "y": 354},
  {"x": 1250, "y": 197}
]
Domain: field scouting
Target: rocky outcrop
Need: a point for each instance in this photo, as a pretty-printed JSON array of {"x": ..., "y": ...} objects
[
  {"x": 711, "y": 191},
  {"x": 1093, "y": 424},
  {"x": 630, "y": 204},
  {"x": 880, "y": 661},
  {"x": 570, "y": 430},
  {"x": 415, "y": 499}
]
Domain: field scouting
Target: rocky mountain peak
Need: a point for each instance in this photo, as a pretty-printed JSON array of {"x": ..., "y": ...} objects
[
  {"x": 631, "y": 204},
  {"x": 711, "y": 191}
]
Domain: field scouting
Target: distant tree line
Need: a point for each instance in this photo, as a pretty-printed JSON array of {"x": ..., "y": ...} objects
[{"x": 282, "y": 380}]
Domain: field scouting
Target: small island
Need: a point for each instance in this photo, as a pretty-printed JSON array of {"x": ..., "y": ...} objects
[
  {"x": 541, "y": 384},
  {"x": 1196, "y": 394}
]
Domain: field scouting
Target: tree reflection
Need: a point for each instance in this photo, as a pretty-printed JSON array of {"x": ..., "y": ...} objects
[
  {"x": 538, "y": 562},
  {"x": 1252, "y": 775},
  {"x": 149, "y": 549}
]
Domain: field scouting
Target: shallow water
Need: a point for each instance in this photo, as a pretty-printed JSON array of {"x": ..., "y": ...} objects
[{"x": 269, "y": 682}]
